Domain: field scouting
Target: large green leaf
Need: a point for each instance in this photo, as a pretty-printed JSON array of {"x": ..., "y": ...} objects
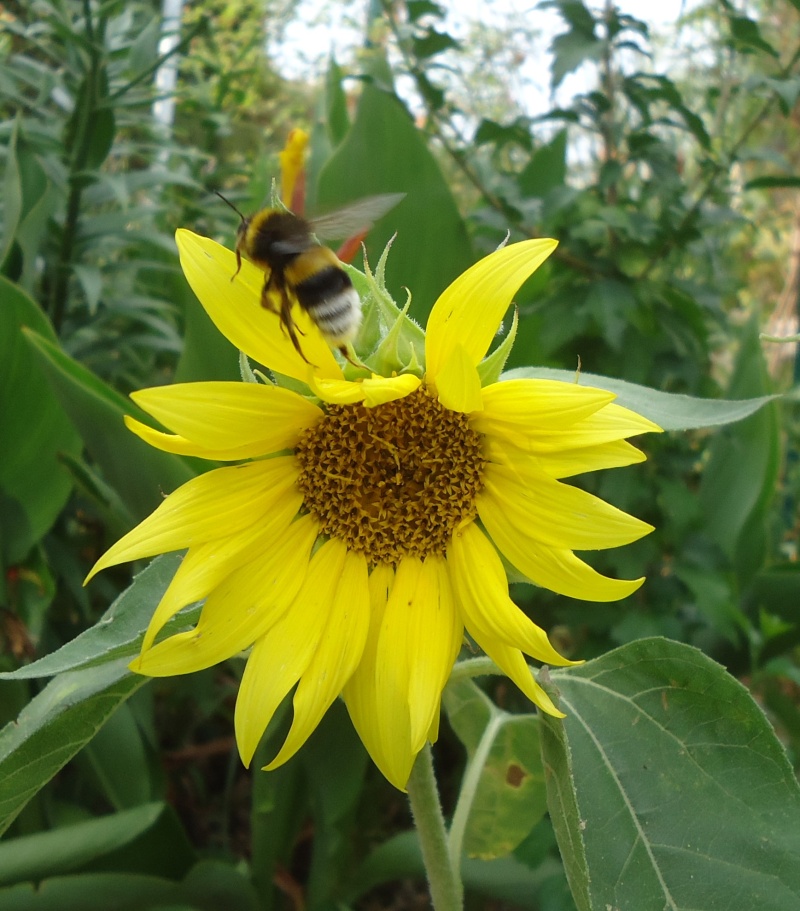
[
  {"x": 209, "y": 886},
  {"x": 93, "y": 680},
  {"x": 140, "y": 474},
  {"x": 671, "y": 411},
  {"x": 124, "y": 784},
  {"x": 119, "y": 631},
  {"x": 668, "y": 788},
  {"x": 383, "y": 151},
  {"x": 54, "y": 726},
  {"x": 34, "y": 484},
  {"x": 101, "y": 843},
  {"x": 502, "y": 794}
]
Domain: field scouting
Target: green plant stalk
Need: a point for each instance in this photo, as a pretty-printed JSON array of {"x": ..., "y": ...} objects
[{"x": 444, "y": 877}]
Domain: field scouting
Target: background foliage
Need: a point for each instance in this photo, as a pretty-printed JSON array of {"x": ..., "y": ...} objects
[{"x": 673, "y": 196}]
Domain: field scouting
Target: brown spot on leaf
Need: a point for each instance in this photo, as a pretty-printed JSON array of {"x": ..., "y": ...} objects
[{"x": 515, "y": 775}]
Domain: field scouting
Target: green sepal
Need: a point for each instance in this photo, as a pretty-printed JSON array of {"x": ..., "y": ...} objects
[
  {"x": 390, "y": 341},
  {"x": 490, "y": 368}
]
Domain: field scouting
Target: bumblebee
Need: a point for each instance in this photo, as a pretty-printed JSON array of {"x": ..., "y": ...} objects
[{"x": 297, "y": 267}]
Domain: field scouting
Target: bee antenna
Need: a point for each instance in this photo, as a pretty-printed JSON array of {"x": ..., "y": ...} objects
[{"x": 229, "y": 203}]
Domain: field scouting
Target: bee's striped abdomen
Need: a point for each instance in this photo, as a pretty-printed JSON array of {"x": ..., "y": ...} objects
[{"x": 332, "y": 302}]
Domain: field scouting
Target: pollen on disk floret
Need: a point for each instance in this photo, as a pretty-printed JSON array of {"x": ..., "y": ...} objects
[{"x": 394, "y": 480}]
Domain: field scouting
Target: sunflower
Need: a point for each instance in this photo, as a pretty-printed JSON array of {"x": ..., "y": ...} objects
[{"x": 365, "y": 523}]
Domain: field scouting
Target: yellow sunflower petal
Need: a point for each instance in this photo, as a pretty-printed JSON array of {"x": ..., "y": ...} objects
[
  {"x": 512, "y": 662},
  {"x": 372, "y": 391},
  {"x": 197, "y": 575},
  {"x": 552, "y": 512},
  {"x": 458, "y": 385},
  {"x": 469, "y": 311},
  {"x": 249, "y": 417},
  {"x": 555, "y": 568},
  {"x": 282, "y": 655},
  {"x": 234, "y": 305},
  {"x": 336, "y": 658},
  {"x": 526, "y": 405},
  {"x": 206, "y": 565},
  {"x": 361, "y": 694},
  {"x": 418, "y": 644},
  {"x": 481, "y": 587},
  {"x": 612, "y": 422},
  {"x": 213, "y": 505},
  {"x": 567, "y": 463},
  {"x": 240, "y": 610},
  {"x": 439, "y": 632},
  {"x": 170, "y": 442}
]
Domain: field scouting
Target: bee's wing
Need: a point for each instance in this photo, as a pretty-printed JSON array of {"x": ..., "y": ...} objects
[{"x": 354, "y": 218}]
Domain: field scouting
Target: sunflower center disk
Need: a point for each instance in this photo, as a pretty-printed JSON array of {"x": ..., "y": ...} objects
[{"x": 394, "y": 480}]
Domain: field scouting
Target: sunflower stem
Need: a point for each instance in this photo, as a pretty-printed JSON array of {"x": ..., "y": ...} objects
[{"x": 444, "y": 874}]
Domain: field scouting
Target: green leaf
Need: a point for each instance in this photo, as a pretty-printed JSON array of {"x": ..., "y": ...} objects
[
  {"x": 105, "y": 842},
  {"x": 502, "y": 134},
  {"x": 787, "y": 91},
  {"x": 90, "y": 130},
  {"x": 612, "y": 303},
  {"x": 669, "y": 410},
  {"x": 739, "y": 479},
  {"x": 772, "y": 181},
  {"x": 41, "y": 199},
  {"x": 384, "y": 152},
  {"x": 419, "y": 8},
  {"x": 12, "y": 195},
  {"x": 140, "y": 474},
  {"x": 209, "y": 886},
  {"x": 778, "y": 590},
  {"x": 127, "y": 784},
  {"x": 93, "y": 892},
  {"x": 572, "y": 48},
  {"x": 432, "y": 42},
  {"x": 104, "y": 128},
  {"x": 503, "y": 788},
  {"x": 570, "y": 51},
  {"x": 337, "y": 118},
  {"x": 34, "y": 486},
  {"x": 667, "y": 786},
  {"x": 93, "y": 680},
  {"x": 747, "y": 34},
  {"x": 547, "y": 168},
  {"x": 54, "y": 726},
  {"x": 118, "y": 632}
]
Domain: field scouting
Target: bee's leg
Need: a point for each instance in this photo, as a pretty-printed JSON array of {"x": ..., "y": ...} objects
[
  {"x": 349, "y": 354},
  {"x": 266, "y": 303},
  {"x": 238, "y": 263}
]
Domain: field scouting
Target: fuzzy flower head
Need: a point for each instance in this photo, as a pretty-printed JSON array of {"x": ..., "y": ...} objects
[{"x": 362, "y": 523}]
